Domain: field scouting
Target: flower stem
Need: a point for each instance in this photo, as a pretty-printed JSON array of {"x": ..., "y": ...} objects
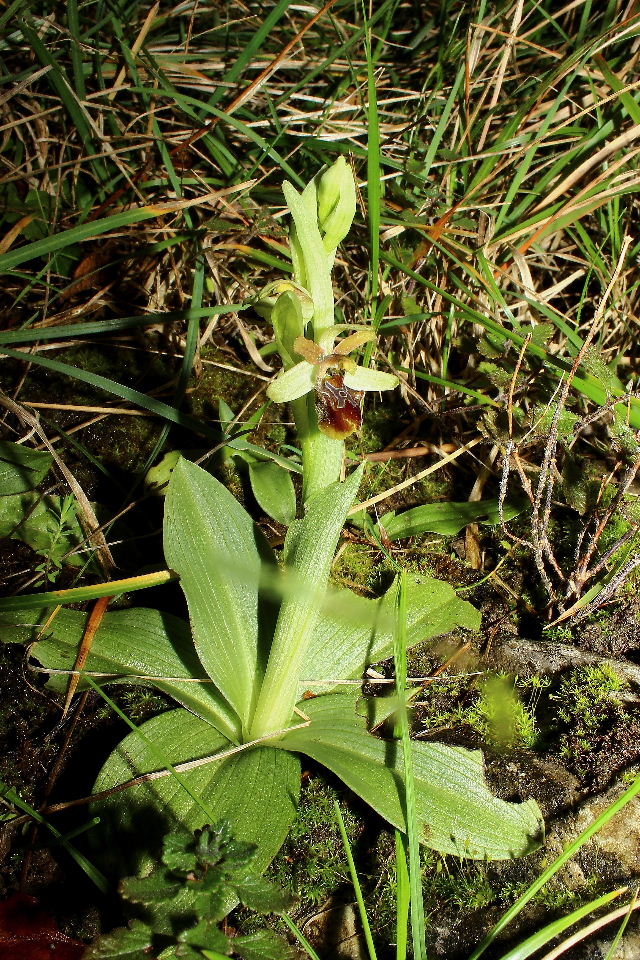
[{"x": 322, "y": 456}]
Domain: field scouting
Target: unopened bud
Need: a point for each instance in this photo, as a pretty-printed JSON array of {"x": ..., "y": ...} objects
[
  {"x": 336, "y": 203},
  {"x": 265, "y": 303}
]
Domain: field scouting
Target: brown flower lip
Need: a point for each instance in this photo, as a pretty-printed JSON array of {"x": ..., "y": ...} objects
[{"x": 339, "y": 408}]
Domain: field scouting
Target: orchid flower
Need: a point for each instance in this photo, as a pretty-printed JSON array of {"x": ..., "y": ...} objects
[
  {"x": 339, "y": 383},
  {"x": 325, "y": 356}
]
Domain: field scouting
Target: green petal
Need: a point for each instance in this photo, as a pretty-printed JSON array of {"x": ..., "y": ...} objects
[
  {"x": 293, "y": 383},
  {"x": 364, "y": 379},
  {"x": 330, "y": 334}
]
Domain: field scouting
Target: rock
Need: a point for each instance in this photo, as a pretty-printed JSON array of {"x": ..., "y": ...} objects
[{"x": 336, "y": 932}]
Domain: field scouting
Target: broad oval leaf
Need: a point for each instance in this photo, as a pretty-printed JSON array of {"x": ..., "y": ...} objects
[
  {"x": 256, "y": 791},
  {"x": 138, "y": 646},
  {"x": 273, "y": 489},
  {"x": 21, "y": 468},
  {"x": 212, "y": 542},
  {"x": 354, "y": 632},
  {"x": 457, "y": 812}
]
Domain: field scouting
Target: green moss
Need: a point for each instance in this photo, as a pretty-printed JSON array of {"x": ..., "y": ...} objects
[
  {"x": 560, "y": 634},
  {"x": 312, "y": 863},
  {"x": 123, "y": 443},
  {"x": 446, "y": 702},
  {"x": 459, "y": 883},
  {"x": 502, "y": 716},
  {"x": 138, "y": 702},
  {"x": 276, "y": 434},
  {"x": 216, "y": 382},
  {"x": 586, "y": 709},
  {"x": 358, "y": 565},
  {"x": 556, "y": 897},
  {"x": 379, "y": 427},
  {"x": 501, "y": 709}
]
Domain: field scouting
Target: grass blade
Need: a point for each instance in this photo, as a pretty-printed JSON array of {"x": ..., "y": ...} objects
[
  {"x": 86, "y": 231},
  {"x": 299, "y": 935},
  {"x": 112, "y": 325},
  {"x": 403, "y": 898},
  {"x": 557, "y": 864},
  {"x": 356, "y": 883},
  {"x": 119, "y": 390},
  {"x": 418, "y": 933},
  {"x": 374, "y": 183},
  {"x": 8, "y": 793},
  {"x": 54, "y": 598},
  {"x": 532, "y": 944}
]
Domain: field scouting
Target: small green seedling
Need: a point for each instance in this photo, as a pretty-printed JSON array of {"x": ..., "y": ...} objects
[
  {"x": 184, "y": 898},
  {"x": 47, "y": 523}
]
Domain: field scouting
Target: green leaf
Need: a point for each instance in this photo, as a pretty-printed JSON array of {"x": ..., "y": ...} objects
[
  {"x": 138, "y": 646},
  {"x": 261, "y": 895},
  {"x": 21, "y": 468},
  {"x": 263, "y": 945},
  {"x": 595, "y": 364},
  {"x": 125, "y": 943},
  {"x": 309, "y": 552},
  {"x": 154, "y": 888},
  {"x": 212, "y": 542},
  {"x": 48, "y": 524},
  {"x": 355, "y": 632},
  {"x": 256, "y": 791},
  {"x": 455, "y": 809},
  {"x": 273, "y": 489},
  {"x": 446, "y": 519},
  {"x": 204, "y": 935},
  {"x": 314, "y": 271}
]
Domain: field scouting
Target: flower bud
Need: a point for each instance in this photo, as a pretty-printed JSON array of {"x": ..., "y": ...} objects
[
  {"x": 336, "y": 203},
  {"x": 264, "y": 304},
  {"x": 288, "y": 323}
]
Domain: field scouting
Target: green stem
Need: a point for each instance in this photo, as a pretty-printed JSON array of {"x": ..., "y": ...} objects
[
  {"x": 310, "y": 553},
  {"x": 322, "y": 456}
]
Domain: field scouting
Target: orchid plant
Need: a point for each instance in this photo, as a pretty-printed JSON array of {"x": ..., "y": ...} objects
[
  {"x": 268, "y": 669},
  {"x": 265, "y": 672}
]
